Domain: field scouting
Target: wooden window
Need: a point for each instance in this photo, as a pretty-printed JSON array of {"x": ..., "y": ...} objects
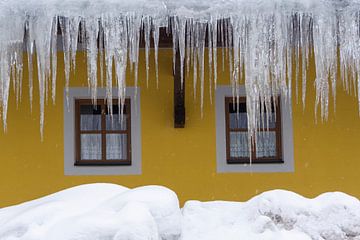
[
  {"x": 268, "y": 147},
  {"x": 102, "y": 139}
]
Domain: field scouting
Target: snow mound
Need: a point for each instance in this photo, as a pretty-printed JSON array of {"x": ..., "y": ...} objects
[
  {"x": 112, "y": 212},
  {"x": 278, "y": 214},
  {"x": 93, "y": 212}
]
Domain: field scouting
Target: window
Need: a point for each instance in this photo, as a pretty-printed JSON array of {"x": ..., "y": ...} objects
[
  {"x": 102, "y": 138},
  {"x": 96, "y": 143},
  {"x": 274, "y": 151},
  {"x": 268, "y": 145}
]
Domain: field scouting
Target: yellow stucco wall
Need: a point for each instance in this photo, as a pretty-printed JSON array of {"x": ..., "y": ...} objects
[{"x": 326, "y": 154}]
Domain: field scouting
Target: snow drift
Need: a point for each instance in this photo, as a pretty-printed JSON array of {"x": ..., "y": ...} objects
[
  {"x": 277, "y": 214},
  {"x": 94, "y": 212},
  {"x": 112, "y": 212}
]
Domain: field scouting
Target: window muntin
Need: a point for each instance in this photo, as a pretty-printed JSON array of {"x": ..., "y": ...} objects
[
  {"x": 268, "y": 148},
  {"x": 102, "y": 139}
]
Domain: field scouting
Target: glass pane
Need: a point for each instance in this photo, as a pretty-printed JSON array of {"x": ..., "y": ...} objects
[
  {"x": 91, "y": 146},
  {"x": 266, "y": 144},
  {"x": 237, "y": 115},
  {"x": 116, "y": 122},
  {"x": 238, "y": 120},
  {"x": 239, "y": 145},
  {"x": 268, "y": 117},
  {"x": 116, "y": 146},
  {"x": 90, "y": 117}
]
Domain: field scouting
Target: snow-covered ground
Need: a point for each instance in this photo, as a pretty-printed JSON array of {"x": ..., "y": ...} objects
[{"x": 112, "y": 212}]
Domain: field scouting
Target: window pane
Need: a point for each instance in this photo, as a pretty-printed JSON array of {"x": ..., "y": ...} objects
[
  {"x": 266, "y": 144},
  {"x": 116, "y": 122},
  {"x": 90, "y": 117},
  {"x": 238, "y": 120},
  {"x": 268, "y": 117},
  {"x": 237, "y": 115},
  {"x": 116, "y": 146},
  {"x": 91, "y": 146},
  {"x": 239, "y": 145}
]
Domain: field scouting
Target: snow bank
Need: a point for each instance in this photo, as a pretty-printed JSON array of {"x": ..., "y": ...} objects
[
  {"x": 279, "y": 215},
  {"x": 112, "y": 212},
  {"x": 93, "y": 212}
]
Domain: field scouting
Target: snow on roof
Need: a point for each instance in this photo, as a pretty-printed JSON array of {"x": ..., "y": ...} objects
[
  {"x": 269, "y": 41},
  {"x": 108, "y": 211}
]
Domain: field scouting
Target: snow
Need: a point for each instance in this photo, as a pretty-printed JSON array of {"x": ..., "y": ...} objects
[
  {"x": 95, "y": 211},
  {"x": 275, "y": 214},
  {"x": 269, "y": 42},
  {"x": 113, "y": 212}
]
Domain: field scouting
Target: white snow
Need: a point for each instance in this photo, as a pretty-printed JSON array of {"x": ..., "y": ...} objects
[
  {"x": 95, "y": 211},
  {"x": 274, "y": 215},
  {"x": 112, "y": 212},
  {"x": 267, "y": 41}
]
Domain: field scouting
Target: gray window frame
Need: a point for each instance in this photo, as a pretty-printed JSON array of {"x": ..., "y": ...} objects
[
  {"x": 69, "y": 135},
  {"x": 222, "y": 166}
]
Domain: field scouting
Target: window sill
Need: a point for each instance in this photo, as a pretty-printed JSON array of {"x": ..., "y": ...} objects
[
  {"x": 89, "y": 163},
  {"x": 255, "y": 161}
]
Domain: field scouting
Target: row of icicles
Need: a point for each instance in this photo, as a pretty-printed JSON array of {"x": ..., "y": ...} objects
[{"x": 271, "y": 51}]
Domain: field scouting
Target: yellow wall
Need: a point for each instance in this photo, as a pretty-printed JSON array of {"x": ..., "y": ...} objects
[{"x": 326, "y": 154}]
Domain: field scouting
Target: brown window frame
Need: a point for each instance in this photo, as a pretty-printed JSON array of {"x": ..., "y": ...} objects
[
  {"x": 254, "y": 160},
  {"x": 103, "y": 132}
]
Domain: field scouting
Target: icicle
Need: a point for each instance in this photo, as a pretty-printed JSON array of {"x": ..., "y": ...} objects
[
  {"x": 181, "y": 37},
  {"x": 74, "y": 35},
  {"x": 305, "y": 30},
  {"x": 188, "y": 45},
  {"x": 109, "y": 25},
  {"x": 121, "y": 61},
  {"x": 66, "y": 41},
  {"x": 156, "y": 36},
  {"x": 54, "y": 57},
  {"x": 174, "y": 25},
  {"x": 147, "y": 33},
  {"x": 195, "y": 50},
  {"x": 201, "y": 56},
  {"x": 191, "y": 29},
  {"x": 29, "y": 42},
  {"x": 210, "y": 58},
  {"x": 40, "y": 31},
  {"x": 222, "y": 39},
  {"x": 133, "y": 26},
  {"x": 268, "y": 44},
  {"x": 92, "y": 31},
  {"x": 325, "y": 49},
  {"x": 101, "y": 52},
  {"x": 214, "y": 24}
]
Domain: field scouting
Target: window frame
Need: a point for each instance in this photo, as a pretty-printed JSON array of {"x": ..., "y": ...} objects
[
  {"x": 223, "y": 167},
  {"x": 103, "y": 132},
  {"x": 278, "y": 159}
]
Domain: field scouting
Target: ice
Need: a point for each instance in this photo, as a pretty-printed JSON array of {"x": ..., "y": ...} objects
[
  {"x": 267, "y": 44},
  {"x": 156, "y": 36},
  {"x": 40, "y": 29},
  {"x": 147, "y": 33},
  {"x": 109, "y": 211}
]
